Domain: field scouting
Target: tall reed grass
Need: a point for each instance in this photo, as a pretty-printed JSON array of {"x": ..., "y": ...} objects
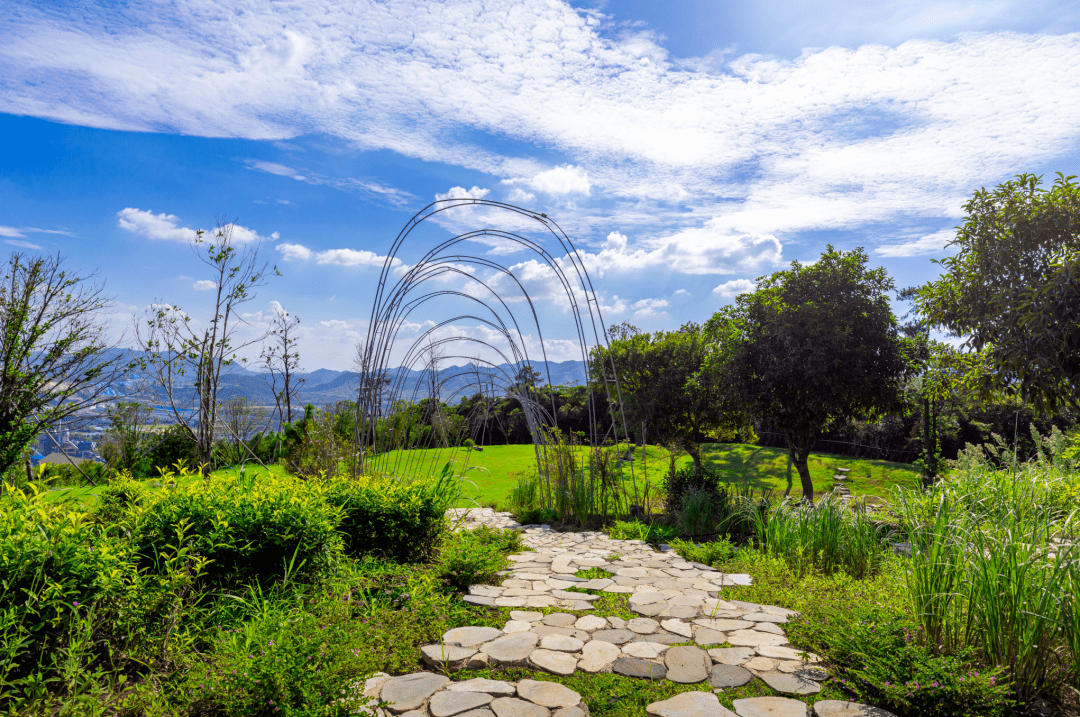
[{"x": 995, "y": 564}]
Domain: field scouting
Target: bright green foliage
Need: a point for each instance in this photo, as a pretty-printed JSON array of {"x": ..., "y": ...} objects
[
  {"x": 634, "y": 530},
  {"x": 670, "y": 390},
  {"x": 118, "y": 500},
  {"x": 710, "y": 553},
  {"x": 814, "y": 345},
  {"x": 1013, "y": 289},
  {"x": 249, "y": 528},
  {"x": 392, "y": 519},
  {"x": 472, "y": 557}
]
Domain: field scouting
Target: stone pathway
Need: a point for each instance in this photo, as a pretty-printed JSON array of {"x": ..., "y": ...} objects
[
  {"x": 682, "y": 623},
  {"x": 425, "y": 694}
]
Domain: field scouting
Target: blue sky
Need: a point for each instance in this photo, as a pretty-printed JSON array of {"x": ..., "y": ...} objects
[{"x": 686, "y": 147}]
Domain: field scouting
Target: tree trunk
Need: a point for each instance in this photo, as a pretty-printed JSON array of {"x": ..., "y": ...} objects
[
  {"x": 929, "y": 445},
  {"x": 694, "y": 449},
  {"x": 799, "y": 452}
]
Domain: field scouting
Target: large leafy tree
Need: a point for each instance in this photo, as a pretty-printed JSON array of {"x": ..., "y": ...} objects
[
  {"x": 813, "y": 345},
  {"x": 1013, "y": 289},
  {"x": 670, "y": 389},
  {"x": 56, "y": 359}
]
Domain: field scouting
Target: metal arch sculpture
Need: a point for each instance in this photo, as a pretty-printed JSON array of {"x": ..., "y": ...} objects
[{"x": 396, "y": 299}]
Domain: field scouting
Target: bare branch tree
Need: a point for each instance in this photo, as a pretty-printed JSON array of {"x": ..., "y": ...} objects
[
  {"x": 55, "y": 356},
  {"x": 238, "y": 421},
  {"x": 179, "y": 353},
  {"x": 281, "y": 359}
]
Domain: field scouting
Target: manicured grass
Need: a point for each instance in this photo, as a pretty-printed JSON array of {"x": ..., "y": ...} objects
[{"x": 763, "y": 468}]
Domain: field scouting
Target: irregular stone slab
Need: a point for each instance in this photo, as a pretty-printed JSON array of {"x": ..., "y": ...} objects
[
  {"x": 590, "y": 623},
  {"x": 686, "y": 665},
  {"x": 765, "y": 617},
  {"x": 644, "y": 650},
  {"x": 631, "y": 573},
  {"x": 479, "y": 684},
  {"x": 731, "y": 655},
  {"x": 482, "y": 712},
  {"x": 717, "y": 604},
  {"x": 374, "y": 684},
  {"x": 575, "y": 605},
  {"x": 513, "y": 626},
  {"x": 690, "y": 704},
  {"x": 753, "y": 638},
  {"x": 526, "y": 616},
  {"x": 737, "y": 579},
  {"x": 643, "y": 625},
  {"x": 650, "y": 610},
  {"x": 729, "y": 676},
  {"x": 509, "y": 602},
  {"x": 444, "y": 704},
  {"x": 686, "y": 600},
  {"x": 478, "y": 600},
  {"x": 470, "y": 636},
  {"x": 597, "y": 583},
  {"x": 543, "y": 630},
  {"x": 485, "y": 590},
  {"x": 561, "y": 663},
  {"x": 646, "y": 598},
  {"x": 563, "y": 595},
  {"x": 680, "y": 611},
  {"x": 723, "y": 625},
  {"x": 450, "y": 657},
  {"x": 769, "y": 707},
  {"x": 839, "y": 708},
  {"x": 769, "y": 627},
  {"x": 513, "y": 707},
  {"x": 618, "y": 589},
  {"x": 570, "y": 712},
  {"x": 783, "y": 652},
  {"x": 511, "y": 649},
  {"x": 559, "y": 619},
  {"x": 633, "y": 667},
  {"x": 616, "y": 622},
  {"x": 598, "y": 655},
  {"x": 557, "y": 584},
  {"x": 678, "y": 627},
  {"x": 790, "y": 683},
  {"x": 548, "y": 694},
  {"x": 804, "y": 669},
  {"x": 409, "y": 692},
  {"x": 541, "y": 601},
  {"x": 760, "y": 664},
  {"x": 709, "y": 637},
  {"x": 662, "y": 637},
  {"x": 561, "y": 643}
]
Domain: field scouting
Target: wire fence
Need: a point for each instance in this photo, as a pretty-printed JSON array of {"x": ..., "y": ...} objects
[{"x": 845, "y": 448}]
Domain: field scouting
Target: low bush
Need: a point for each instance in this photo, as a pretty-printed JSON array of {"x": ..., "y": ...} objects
[
  {"x": 471, "y": 557},
  {"x": 635, "y": 530},
  {"x": 399, "y": 520},
  {"x": 535, "y": 516},
  {"x": 716, "y": 551},
  {"x": 250, "y": 527},
  {"x": 118, "y": 499}
]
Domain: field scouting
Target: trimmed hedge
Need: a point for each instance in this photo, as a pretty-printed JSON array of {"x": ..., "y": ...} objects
[{"x": 391, "y": 519}]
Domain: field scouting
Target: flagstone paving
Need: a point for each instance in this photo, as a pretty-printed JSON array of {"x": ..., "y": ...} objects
[{"x": 685, "y": 633}]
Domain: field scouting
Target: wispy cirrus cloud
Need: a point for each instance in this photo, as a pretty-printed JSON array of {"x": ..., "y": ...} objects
[{"x": 370, "y": 188}]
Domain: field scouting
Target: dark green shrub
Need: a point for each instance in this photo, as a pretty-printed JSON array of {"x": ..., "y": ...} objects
[
  {"x": 471, "y": 557},
  {"x": 535, "y": 516},
  {"x": 388, "y": 518},
  {"x": 255, "y": 527},
  {"x": 174, "y": 446},
  {"x": 117, "y": 499}
]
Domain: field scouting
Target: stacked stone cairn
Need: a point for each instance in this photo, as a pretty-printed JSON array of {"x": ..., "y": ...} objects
[{"x": 682, "y": 623}]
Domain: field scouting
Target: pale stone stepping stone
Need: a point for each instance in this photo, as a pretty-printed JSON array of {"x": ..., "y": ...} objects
[
  {"x": 769, "y": 627},
  {"x": 560, "y": 663},
  {"x": 590, "y": 623},
  {"x": 731, "y": 655},
  {"x": 761, "y": 664},
  {"x": 509, "y": 602},
  {"x": 804, "y": 669},
  {"x": 687, "y": 665},
  {"x": 753, "y": 638},
  {"x": 705, "y": 637},
  {"x": 644, "y": 650},
  {"x": 662, "y": 638},
  {"x": 783, "y": 652},
  {"x": 839, "y": 708},
  {"x": 513, "y": 707},
  {"x": 409, "y": 692},
  {"x": 729, "y": 676},
  {"x": 633, "y": 667},
  {"x": 678, "y": 627},
  {"x": 646, "y": 598},
  {"x": 680, "y": 611},
  {"x": 513, "y": 626},
  {"x": 470, "y": 636},
  {"x": 651, "y": 609},
  {"x": 478, "y": 600},
  {"x": 615, "y": 637},
  {"x": 541, "y": 601},
  {"x": 559, "y": 619},
  {"x": 511, "y": 649},
  {"x": 450, "y": 657},
  {"x": 561, "y": 643},
  {"x": 690, "y": 704},
  {"x": 769, "y": 707},
  {"x": 479, "y": 684},
  {"x": 790, "y": 683},
  {"x": 597, "y": 656},
  {"x": 526, "y": 616},
  {"x": 548, "y": 694},
  {"x": 485, "y": 590},
  {"x": 723, "y": 625},
  {"x": 444, "y": 704},
  {"x": 765, "y": 617},
  {"x": 643, "y": 625}
]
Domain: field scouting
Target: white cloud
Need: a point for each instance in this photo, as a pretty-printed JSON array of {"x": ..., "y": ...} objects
[
  {"x": 648, "y": 307},
  {"x": 166, "y": 227},
  {"x": 517, "y": 194},
  {"x": 10, "y": 232},
  {"x": 731, "y": 289},
  {"x": 352, "y": 257},
  {"x": 932, "y": 244},
  {"x": 294, "y": 251},
  {"x": 368, "y": 187},
  {"x": 557, "y": 181},
  {"x": 682, "y": 292},
  {"x": 21, "y": 244},
  {"x": 204, "y": 285},
  {"x": 462, "y": 193}
]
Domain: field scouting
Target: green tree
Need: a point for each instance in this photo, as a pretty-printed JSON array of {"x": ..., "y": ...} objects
[
  {"x": 816, "y": 344},
  {"x": 55, "y": 356},
  {"x": 127, "y": 442},
  {"x": 1013, "y": 289},
  {"x": 671, "y": 389}
]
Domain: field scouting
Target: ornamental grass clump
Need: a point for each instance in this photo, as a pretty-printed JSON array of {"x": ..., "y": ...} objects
[{"x": 993, "y": 566}]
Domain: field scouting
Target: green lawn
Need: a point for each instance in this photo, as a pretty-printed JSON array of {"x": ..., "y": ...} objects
[{"x": 491, "y": 473}]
